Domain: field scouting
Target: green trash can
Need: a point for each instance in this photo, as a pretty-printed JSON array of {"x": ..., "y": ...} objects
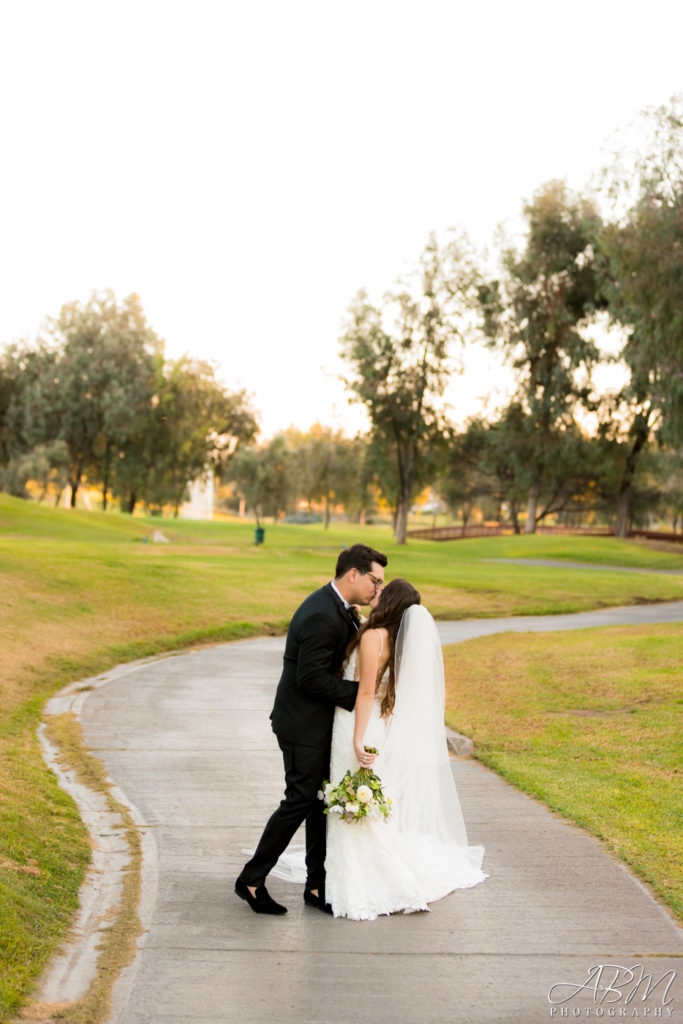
[{"x": 259, "y": 534}]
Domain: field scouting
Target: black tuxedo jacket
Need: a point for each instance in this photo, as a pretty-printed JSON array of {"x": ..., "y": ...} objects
[{"x": 309, "y": 687}]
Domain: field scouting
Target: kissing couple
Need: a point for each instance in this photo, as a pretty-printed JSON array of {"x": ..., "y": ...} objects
[{"x": 347, "y": 686}]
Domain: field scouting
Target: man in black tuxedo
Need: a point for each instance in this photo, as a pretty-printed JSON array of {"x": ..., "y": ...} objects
[{"x": 309, "y": 690}]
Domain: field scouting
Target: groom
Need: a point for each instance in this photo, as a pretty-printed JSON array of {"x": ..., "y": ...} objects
[{"x": 308, "y": 691}]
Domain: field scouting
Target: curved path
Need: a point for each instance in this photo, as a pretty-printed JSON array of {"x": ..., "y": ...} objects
[
  {"x": 186, "y": 738},
  {"x": 554, "y": 563}
]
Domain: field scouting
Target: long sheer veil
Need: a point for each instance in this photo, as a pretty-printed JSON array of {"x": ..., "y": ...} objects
[
  {"x": 416, "y": 764},
  {"x": 426, "y": 825}
]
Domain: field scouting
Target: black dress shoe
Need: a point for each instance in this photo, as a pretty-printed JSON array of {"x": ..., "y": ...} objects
[
  {"x": 311, "y": 900},
  {"x": 261, "y": 903}
]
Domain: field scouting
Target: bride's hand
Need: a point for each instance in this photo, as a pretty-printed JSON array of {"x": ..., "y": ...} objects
[{"x": 365, "y": 760}]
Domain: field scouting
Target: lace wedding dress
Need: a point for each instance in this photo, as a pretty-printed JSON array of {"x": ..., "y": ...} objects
[{"x": 420, "y": 854}]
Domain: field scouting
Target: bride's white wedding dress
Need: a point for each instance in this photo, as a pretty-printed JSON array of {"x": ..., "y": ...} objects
[{"x": 420, "y": 854}]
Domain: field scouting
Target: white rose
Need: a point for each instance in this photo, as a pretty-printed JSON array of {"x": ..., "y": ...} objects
[
  {"x": 351, "y": 808},
  {"x": 364, "y": 794},
  {"x": 329, "y": 790},
  {"x": 336, "y": 809}
]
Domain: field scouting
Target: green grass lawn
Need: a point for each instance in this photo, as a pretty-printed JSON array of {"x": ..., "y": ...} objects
[
  {"x": 80, "y": 592},
  {"x": 591, "y": 723}
]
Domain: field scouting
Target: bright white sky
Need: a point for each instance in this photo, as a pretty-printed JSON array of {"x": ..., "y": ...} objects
[{"x": 247, "y": 167}]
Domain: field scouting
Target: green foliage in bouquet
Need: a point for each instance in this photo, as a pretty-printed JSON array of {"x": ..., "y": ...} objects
[{"x": 357, "y": 796}]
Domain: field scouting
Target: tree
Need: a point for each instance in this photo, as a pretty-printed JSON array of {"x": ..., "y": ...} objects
[
  {"x": 546, "y": 294},
  {"x": 28, "y": 408},
  {"x": 490, "y": 464},
  {"x": 355, "y": 487},
  {"x": 398, "y": 357},
  {"x": 327, "y": 468},
  {"x": 192, "y": 426},
  {"x": 46, "y": 464},
  {"x": 103, "y": 382},
  {"x": 644, "y": 248},
  {"x": 140, "y": 426},
  {"x": 8, "y": 388},
  {"x": 505, "y": 461},
  {"x": 464, "y": 482},
  {"x": 671, "y": 483},
  {"x": 263, "y": 477}
]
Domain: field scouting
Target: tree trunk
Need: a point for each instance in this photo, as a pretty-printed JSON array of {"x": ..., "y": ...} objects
[
  {"x": 74, "y": 491},
  {"x": 105, "y": 477},
  {"x": 178, "y": 502},
  {"x": 514, "y": 517},
  {"x": 327, "y": 510},
  {"x": 531, "y": 509},
  {"x": 402, "y": 519},
  {"x": 640, "y": 432},
  {"x": 407, "y": 471},
  {"x": 623, "y": 502},
  {"x": 406, "y": 475},
  {"x": 131, "y": 503}
]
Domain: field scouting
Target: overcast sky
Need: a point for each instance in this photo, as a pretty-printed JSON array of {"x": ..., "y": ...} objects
[{"x": 247, "y": 167}]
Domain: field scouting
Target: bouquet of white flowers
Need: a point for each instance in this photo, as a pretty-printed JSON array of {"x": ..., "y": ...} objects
[{"x": 357, "y": 796}]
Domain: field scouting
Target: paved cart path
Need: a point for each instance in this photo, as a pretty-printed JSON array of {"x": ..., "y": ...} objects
[
  {"x": 554, "y": 563},
  {"x": 186, "y": 738}
]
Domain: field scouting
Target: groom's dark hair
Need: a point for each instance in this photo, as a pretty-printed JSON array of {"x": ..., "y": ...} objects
[{"x": 358, "y": 556}]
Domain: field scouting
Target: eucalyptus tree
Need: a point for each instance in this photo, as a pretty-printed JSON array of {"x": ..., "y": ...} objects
[
  {"x": 45, "y": 464},
  {"x": 536, "y": 311},
  {"x": 329, "y": 468},
  {"x": 263, "y": 477},
  {"x": 192, "y": 426},
  {"x": 399, "y": 358},
  {"x": 644, "y": 247},
  {"x": 464, "y": 483},
  {"x": 28, "y": 409},
  {"x": 102, "y": 382}
]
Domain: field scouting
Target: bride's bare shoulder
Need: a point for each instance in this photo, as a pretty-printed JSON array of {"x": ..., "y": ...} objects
[
  {"x": 371, "y": 639},
  {"x": 373, "y": 642}
]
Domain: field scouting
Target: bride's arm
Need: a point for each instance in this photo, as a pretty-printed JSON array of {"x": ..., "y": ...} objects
[{"x": 369, "y": 663}]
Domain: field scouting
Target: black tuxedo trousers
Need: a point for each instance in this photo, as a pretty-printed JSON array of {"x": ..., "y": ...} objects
[
  {"x": 305, "y": 768},
  {"x": 307, "y": 694}
]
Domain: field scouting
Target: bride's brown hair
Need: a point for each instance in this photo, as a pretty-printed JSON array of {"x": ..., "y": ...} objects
[{"x": 395, "y": 598}]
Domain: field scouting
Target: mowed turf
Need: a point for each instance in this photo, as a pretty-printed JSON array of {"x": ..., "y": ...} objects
[
  {"x": 591, "y": 723},
  {"x": 80, "y": 592}
]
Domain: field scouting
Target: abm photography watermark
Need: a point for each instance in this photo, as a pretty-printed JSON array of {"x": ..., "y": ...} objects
[{"x": 614, "y": 991}]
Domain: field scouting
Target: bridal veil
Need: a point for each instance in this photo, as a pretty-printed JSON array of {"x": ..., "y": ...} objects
[{"x": 416, "y": 763}]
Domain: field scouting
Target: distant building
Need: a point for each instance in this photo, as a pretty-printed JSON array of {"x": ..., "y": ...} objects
[{"x": 200, "y": 505}]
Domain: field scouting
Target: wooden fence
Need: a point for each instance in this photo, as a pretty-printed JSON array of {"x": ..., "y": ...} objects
[{"x": 506, "y": 530}]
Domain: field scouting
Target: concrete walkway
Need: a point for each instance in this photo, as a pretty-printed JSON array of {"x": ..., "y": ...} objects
[
  {"x": 552, "y": 563},
  {"x": 187, "y": 740}
]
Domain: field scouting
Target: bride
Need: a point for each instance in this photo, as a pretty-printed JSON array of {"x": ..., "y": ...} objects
[{"x": 420, "y": 854}]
